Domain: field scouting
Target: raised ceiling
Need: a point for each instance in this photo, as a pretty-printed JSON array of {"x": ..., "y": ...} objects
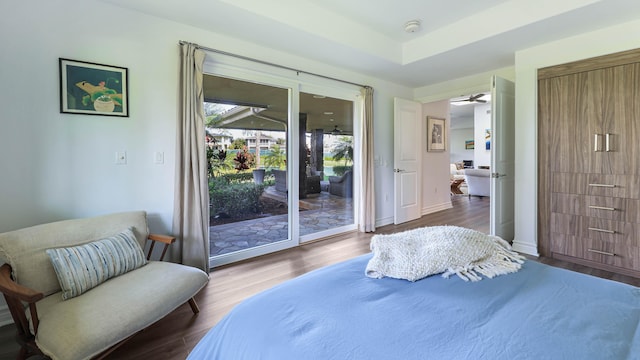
[{"x": 456, "y": 39}]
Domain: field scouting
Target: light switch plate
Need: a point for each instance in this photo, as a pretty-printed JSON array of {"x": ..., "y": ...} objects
[
  {"x": 121, "y": 157},
  {"x": 158, "y": 157}
]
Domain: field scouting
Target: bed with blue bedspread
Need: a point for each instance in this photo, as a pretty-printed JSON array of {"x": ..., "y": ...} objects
[{"x": 538, "y": 312}]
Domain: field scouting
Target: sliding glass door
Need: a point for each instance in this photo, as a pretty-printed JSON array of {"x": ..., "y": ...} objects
[
  {"x": 247, "y": 129},
  {"x": 327, "y": 207},
  {"x": 281, "y": 162}
]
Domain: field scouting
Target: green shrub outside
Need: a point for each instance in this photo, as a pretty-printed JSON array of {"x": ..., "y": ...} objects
[
  {"x": 235, "y": 200},
  {"x": 241, "y": 177},
  {"x": 237, "y": 177},
  {"x": 236, "y": 195}
]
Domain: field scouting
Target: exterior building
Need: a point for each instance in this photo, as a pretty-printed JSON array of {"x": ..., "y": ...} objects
[
  {"x": 265, "y": 142},
  {"x": 219, "y": 141}
]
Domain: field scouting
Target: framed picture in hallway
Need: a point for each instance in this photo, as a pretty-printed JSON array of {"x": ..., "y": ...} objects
[
  {"x": 93, "y": 89},
  {"x": 436, "y": 134}
]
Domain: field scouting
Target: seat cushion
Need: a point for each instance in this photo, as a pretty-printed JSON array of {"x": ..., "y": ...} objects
[{"x": 84, "y": 326}]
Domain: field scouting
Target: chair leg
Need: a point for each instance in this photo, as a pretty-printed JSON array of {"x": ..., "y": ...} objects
[
  {"x": 194, "y": 306},
  {"x": 23, "y": 353}
]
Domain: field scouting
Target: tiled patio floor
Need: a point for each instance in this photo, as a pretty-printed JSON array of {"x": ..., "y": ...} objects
[{"x": 323, "y": 211}]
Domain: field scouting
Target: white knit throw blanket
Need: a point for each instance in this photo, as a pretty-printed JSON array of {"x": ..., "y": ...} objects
[{"x": 418, "y": 253}]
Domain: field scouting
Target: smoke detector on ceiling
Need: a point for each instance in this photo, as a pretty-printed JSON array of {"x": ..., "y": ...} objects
[{"x": 412, "y": 26}]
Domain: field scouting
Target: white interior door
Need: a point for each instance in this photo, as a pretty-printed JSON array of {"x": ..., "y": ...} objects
[
  {"x": 407, "y": 157},
  {"x": 502, "y": 157}
]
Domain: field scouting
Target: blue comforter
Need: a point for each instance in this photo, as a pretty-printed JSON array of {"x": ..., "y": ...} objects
[{"x": 337, "y": 312}]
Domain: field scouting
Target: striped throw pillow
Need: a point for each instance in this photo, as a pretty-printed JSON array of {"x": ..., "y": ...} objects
[{"x": 83, "y": 267}]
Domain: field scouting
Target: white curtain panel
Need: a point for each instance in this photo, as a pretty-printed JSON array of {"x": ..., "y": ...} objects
[
  {"x": 367, "y": 221},
  {"x": 191, "y": 200}
]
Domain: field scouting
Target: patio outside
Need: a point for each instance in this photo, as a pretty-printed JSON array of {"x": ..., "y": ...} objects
[{"x": 321, "y": 212}]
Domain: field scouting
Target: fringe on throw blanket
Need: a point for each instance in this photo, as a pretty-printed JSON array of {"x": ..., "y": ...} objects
[{"x": 503, "y": 261}]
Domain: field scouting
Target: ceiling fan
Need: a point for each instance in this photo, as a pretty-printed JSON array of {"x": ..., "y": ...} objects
[
  {"x": 473, "y": 98},
  {"x": 336, "y": 131}
]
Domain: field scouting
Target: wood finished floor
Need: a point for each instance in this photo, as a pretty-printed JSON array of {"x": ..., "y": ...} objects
[{"x": 175, "y": 335}]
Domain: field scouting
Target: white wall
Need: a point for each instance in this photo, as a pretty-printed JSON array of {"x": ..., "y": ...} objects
[
  {"x": 457, "y": 145},
  {"x": 436, "y": 189},
  {"x": 481, "y": 122},
  {"x": 602, "y": 42}
]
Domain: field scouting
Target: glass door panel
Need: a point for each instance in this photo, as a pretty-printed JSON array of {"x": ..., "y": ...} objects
[
  {"x": 327, "y": 162},
  {"x": 246, "y": 130}
]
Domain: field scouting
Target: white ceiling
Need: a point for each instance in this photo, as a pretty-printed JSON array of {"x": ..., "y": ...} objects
[{"x": 456, "y": 39}]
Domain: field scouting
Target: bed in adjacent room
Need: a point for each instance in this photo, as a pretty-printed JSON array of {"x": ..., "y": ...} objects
[{"x": 536, "y": 312}]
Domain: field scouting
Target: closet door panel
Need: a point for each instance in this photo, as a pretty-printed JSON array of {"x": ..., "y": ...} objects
[
  {"x": 622, "y": 120},
  {"x": 570, "y": 124},
  {"x": 589, "y": 133}
]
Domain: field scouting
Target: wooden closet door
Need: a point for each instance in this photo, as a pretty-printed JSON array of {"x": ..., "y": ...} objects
[
  {"x": 571, "y": 112},
  {"x": 622, "y": 120},
  {"x": 593, "y": 103}
]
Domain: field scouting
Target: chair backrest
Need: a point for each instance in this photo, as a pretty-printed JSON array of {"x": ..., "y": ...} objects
[
  {"x": 478, "y": 181},
  {"x": 477, "y": 172},
  {"x": 25, "y": 249}
]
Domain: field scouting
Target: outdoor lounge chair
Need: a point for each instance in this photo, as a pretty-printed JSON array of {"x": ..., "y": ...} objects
[{"x": 342, "y": 185}]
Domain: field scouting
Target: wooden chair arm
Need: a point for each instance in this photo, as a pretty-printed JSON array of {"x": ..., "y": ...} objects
[
  {"x": 15, "y": 295},
  {"x": 162, "y": 238},
  {"x": 15, "y": 290},
  {"x": 166, "y": 239}
]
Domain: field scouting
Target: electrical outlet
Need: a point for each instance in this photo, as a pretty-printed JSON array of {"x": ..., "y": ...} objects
[{"x": 121, "y": 157}]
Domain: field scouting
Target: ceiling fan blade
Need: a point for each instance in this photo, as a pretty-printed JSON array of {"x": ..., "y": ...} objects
[{"x": 475, "y": 97}]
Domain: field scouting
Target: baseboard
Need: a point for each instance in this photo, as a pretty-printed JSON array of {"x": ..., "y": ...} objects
[
  {"x": 525, "y": 248},
  {"x": 424, "y": 211},
  {"x": 384, "y": 221},
  {"x": 435, "y": 208}
]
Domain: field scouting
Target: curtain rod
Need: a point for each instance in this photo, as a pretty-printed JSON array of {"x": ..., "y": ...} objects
[{"x": 271, "y": 64}]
